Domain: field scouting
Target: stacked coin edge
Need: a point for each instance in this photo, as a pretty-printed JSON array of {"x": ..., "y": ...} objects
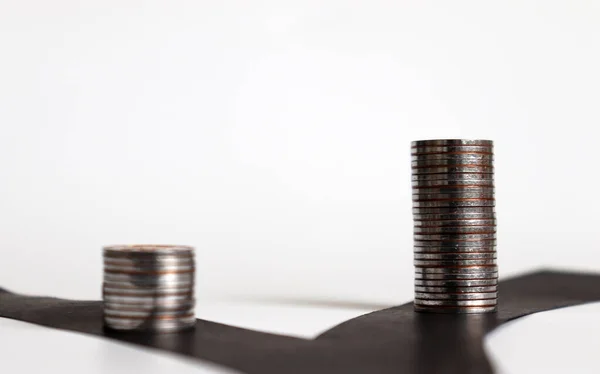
[
  {"x": 149, "y": 288},
  {"x": 454, "y": 226}
]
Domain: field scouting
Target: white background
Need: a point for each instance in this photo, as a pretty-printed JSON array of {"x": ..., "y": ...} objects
[{"x": 274, "y": 137}]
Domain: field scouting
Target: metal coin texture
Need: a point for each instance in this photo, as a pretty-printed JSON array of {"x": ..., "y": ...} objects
[
  {"x": 421, "y": 163},
  {"x": 453, "y": 290},
  {"x": 454, "y": 156},
  {"x": 452, "y": 203},
  {"x": 443, "y": 223},
  {"x": 455, "y": 256},
  {"x": 481, "y": 302},
  {"x": 465, "y": 168},
  {"x": 464, "y": 283},
  {"x": 451, "y": 142},
  {"x": 463, "y": 177},
  {"x": 455, "y": 230},
  {"x": 442, "y": 263},
  {"x": 149, "y": 288},
  {"x": 456, "y": 296},
  {"x": 459, "y": 270}
]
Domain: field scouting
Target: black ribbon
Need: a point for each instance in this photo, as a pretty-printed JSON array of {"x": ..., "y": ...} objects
[{"x": 394, "y": 340}]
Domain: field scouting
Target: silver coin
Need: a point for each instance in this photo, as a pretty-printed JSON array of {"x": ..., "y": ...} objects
[
  {"x": 123, "y": 319},
  {"x": 157, "y": 284},
  {"x": 469, "y": 222},
  {"x": 148, "y": 300},
  {"x": 154, "y": 249},
  {"x": 148, "y": 292},
  {"x": 487, "y": 235},
  {"x": 459, "y": 283},
  {"x": 457, "y": 214},
  {"x": 452, "y": 203},
  {"x": 454, "y": 230},
  {"x": 465, "y": 178},
  {"x": 466, "y": 250},
  {"x": 481, "y": 302},
  {"x": 458, "y": 270},
  {"x": 421, "y": 163},
  {"x": 453, "y": 156},
  {"x": 453, "y": 190},
  {"x": 453, "y": 290},
  {"x": 450, "y": 151},
  {"x": 465, "y": 169},
  {"x": 456, "y": 246},
  {"x": 453, "y": 195},
  {"x": 444, "y": 263},
  {"x": 454, "y": 256},
  {"x": 456, "y": 296},
  {"x": 148, "y": 269},
  {"x": 451, "y": 142},
  {"x": 116, "y": 310},
  {"x": 149, "y": 282},
  {"x": 456, "y": 277},
  {"x": 449, "y": 273},
  {"x": 156, "y": 261},
  {"x": 454, "y": 310},
  {"x": 444, "y": 183}
]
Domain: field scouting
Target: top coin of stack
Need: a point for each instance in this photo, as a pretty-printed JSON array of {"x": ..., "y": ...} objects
[
  {"x": 454, "y": 226},
  {"x": 149, "y": 287}
]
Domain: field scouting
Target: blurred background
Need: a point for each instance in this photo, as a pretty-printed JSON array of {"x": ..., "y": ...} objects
[{"x": 275, "y": 138}]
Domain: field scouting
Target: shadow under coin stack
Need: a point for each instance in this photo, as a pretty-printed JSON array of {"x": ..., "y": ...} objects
[
  {"x": 455, "y": 226},
  {"x": 149, "y": 288}
]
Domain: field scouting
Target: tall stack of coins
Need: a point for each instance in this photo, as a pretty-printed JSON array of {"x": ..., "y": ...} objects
[
  {"x": 149, "y": 287},
  {"x": 454, "y": 226}
]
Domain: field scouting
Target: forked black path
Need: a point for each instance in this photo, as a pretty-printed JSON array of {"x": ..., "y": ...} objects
[{"x": 394, "y": 340}]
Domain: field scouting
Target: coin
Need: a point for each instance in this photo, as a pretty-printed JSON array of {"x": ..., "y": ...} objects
[
  {"x": 476, "y": 170},
  {"x": 442, "y": 263},
  {"x": 481, "y": 302},
  {"x": 487, "y": 235},
  {"x": 469, "y": 222},
  {"x": 452, "y": 290},
  {"x": 453, "y": 189},
  {"x": 149, "y": 288},
  {"x": 454, "y": 256},
  {"x": 452, "y": 203},
  {"x": 459, "y": 283},
  {"x": 458, "y": 270},
  {"x": 456, "y": 296},
  {"x": 485, "y": 156},
  {"x": 451, "y": 142},
  {"x": 463, "y": 176},
  {"x": 456, "y": 216},
  {"x": 421, "y": 163},
  {"x": 452, "y": 150},
  {"x": 153, "y": 292},
  {"x": 449, "y": 246},
  {"x": 463, "y": 230},
  {"x": 459, "y": 196}
]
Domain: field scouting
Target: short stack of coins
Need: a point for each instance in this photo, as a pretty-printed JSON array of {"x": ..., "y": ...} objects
[
  {"x": 454, "y": 226},
  {"x": 149, "y": 287}
]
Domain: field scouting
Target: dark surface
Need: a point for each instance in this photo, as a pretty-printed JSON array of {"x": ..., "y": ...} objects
[{"x": 394, "y": 340}]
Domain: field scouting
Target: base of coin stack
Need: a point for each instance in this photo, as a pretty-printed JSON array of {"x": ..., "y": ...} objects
[
  {"x": 149, "y": 288},
  {"x": 454, "y": 226}
]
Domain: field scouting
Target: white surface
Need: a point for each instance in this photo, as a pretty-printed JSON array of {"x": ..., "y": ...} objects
[
  {"x": 29, "y": 348},
  {"x": 274, "y": 136},
  {"x": 560, "y": 341}
]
